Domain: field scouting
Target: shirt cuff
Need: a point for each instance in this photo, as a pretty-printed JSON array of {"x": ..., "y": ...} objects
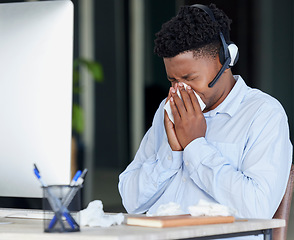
[
  {"x": 195, "y": 152},
  {"x": 169, "y": 159}
]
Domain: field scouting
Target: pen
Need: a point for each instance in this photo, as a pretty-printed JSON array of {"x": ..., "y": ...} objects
[
  {"x": 68, "y": 198},
  {"x": 75, "y": 178},
  {"x": 55, "y": 203}
]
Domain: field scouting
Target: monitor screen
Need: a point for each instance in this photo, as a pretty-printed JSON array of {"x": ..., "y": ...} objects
[{"x": 36, "y": 47}]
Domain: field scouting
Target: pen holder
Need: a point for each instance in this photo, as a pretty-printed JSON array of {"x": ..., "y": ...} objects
[{"x": 61, "y": 204}]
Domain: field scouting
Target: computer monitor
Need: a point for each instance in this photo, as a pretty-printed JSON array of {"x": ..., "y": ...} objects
[{"x": 36, "y": 53}]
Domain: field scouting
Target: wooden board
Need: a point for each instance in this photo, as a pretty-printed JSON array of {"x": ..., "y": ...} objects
[{"x": 177, "y": 221}]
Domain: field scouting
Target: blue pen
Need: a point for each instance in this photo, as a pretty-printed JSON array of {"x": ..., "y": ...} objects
[
  {"x": 69, "y": 197},
  {"x": 75, "y": 178},
  {"x": 55, "y": 203},
  {"x": 76, "y": 186}
]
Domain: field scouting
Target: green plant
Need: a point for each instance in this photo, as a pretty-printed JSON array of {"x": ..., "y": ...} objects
[{"x": 96, "y": 71}]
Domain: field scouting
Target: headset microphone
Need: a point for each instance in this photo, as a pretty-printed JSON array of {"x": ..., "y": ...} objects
[
  {"x": 228, "y": 54},
  {"x": 221, "y": 71}
]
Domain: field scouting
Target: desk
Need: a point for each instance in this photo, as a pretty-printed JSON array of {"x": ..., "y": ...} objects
[{"x": 32, "y": 229}]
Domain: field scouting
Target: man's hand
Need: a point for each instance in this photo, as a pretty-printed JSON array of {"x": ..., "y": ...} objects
[
  {"x": 170, "y": 130},
  {"x": 188, "y": 117}
]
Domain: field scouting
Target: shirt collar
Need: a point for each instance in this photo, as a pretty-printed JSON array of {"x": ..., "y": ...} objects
[{"x": 232, "y": 102}]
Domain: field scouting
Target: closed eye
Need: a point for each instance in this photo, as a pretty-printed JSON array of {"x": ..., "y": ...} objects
[
  {"x": 172, "y": 80},
  {"x": 191, "y": 79}
]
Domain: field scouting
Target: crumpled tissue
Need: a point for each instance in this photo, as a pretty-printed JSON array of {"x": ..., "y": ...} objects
[
  {"x": 168, "y": 209},
  {"x": 205, "y": 208},
  {"x": 168, "y": 108},
  {"x": 94, "y": 216}
]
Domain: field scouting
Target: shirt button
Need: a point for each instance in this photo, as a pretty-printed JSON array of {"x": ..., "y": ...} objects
[
  {"x": 186, "y": 163},
  {"x": 184, "y": 179},
  {"x": 169, "y": 157}
]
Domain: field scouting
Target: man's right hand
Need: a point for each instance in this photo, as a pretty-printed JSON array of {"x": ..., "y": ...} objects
[{"x": 170, "y": 131}]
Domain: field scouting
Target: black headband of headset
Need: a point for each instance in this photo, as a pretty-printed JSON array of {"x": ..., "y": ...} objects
[{"x": 225, "y": 45}]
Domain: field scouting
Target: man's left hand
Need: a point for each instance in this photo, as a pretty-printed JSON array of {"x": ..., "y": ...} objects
[{"x": 188, "y": 117}]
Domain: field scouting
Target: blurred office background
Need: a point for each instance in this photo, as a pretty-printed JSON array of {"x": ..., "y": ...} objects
[{"x": 119, "y": 34}]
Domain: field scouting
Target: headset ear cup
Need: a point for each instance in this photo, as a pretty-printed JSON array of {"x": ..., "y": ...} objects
[
  {"x": 234, "y": 54},
  {"x": 236, "y": 58}
]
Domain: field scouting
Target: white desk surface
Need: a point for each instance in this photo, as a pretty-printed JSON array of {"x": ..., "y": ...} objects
[{"x": 32, "y": 229}]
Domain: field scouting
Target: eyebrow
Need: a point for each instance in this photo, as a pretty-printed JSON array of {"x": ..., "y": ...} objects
[{"x": 184, "y": 77}]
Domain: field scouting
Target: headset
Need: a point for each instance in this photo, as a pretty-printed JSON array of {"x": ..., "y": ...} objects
[{"x": 228, "y": 54}]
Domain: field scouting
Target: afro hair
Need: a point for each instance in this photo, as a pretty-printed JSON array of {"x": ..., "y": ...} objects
[{"x": 192, "y": 29}]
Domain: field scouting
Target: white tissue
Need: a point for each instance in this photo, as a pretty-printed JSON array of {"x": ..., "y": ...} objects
[
  {"x": 94, "y": 216},
  {"x": 204, "y": 208},
  {"x": 168, "y": 209},
  {"x": 168, "y": 109}
]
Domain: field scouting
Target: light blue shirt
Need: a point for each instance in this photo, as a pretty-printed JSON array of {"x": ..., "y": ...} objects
[{"x": 243, "y": 162}]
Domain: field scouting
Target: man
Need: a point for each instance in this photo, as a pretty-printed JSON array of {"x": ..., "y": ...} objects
[{"x": 236, "y": 152}]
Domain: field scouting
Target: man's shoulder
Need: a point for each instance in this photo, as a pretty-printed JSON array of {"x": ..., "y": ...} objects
[{"x": 261, "y": 101}]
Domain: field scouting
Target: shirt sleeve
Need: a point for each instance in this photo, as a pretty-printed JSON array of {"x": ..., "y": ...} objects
[
  {"x": 154, "y": 165},
  {"x": 257, "y": 187}
]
